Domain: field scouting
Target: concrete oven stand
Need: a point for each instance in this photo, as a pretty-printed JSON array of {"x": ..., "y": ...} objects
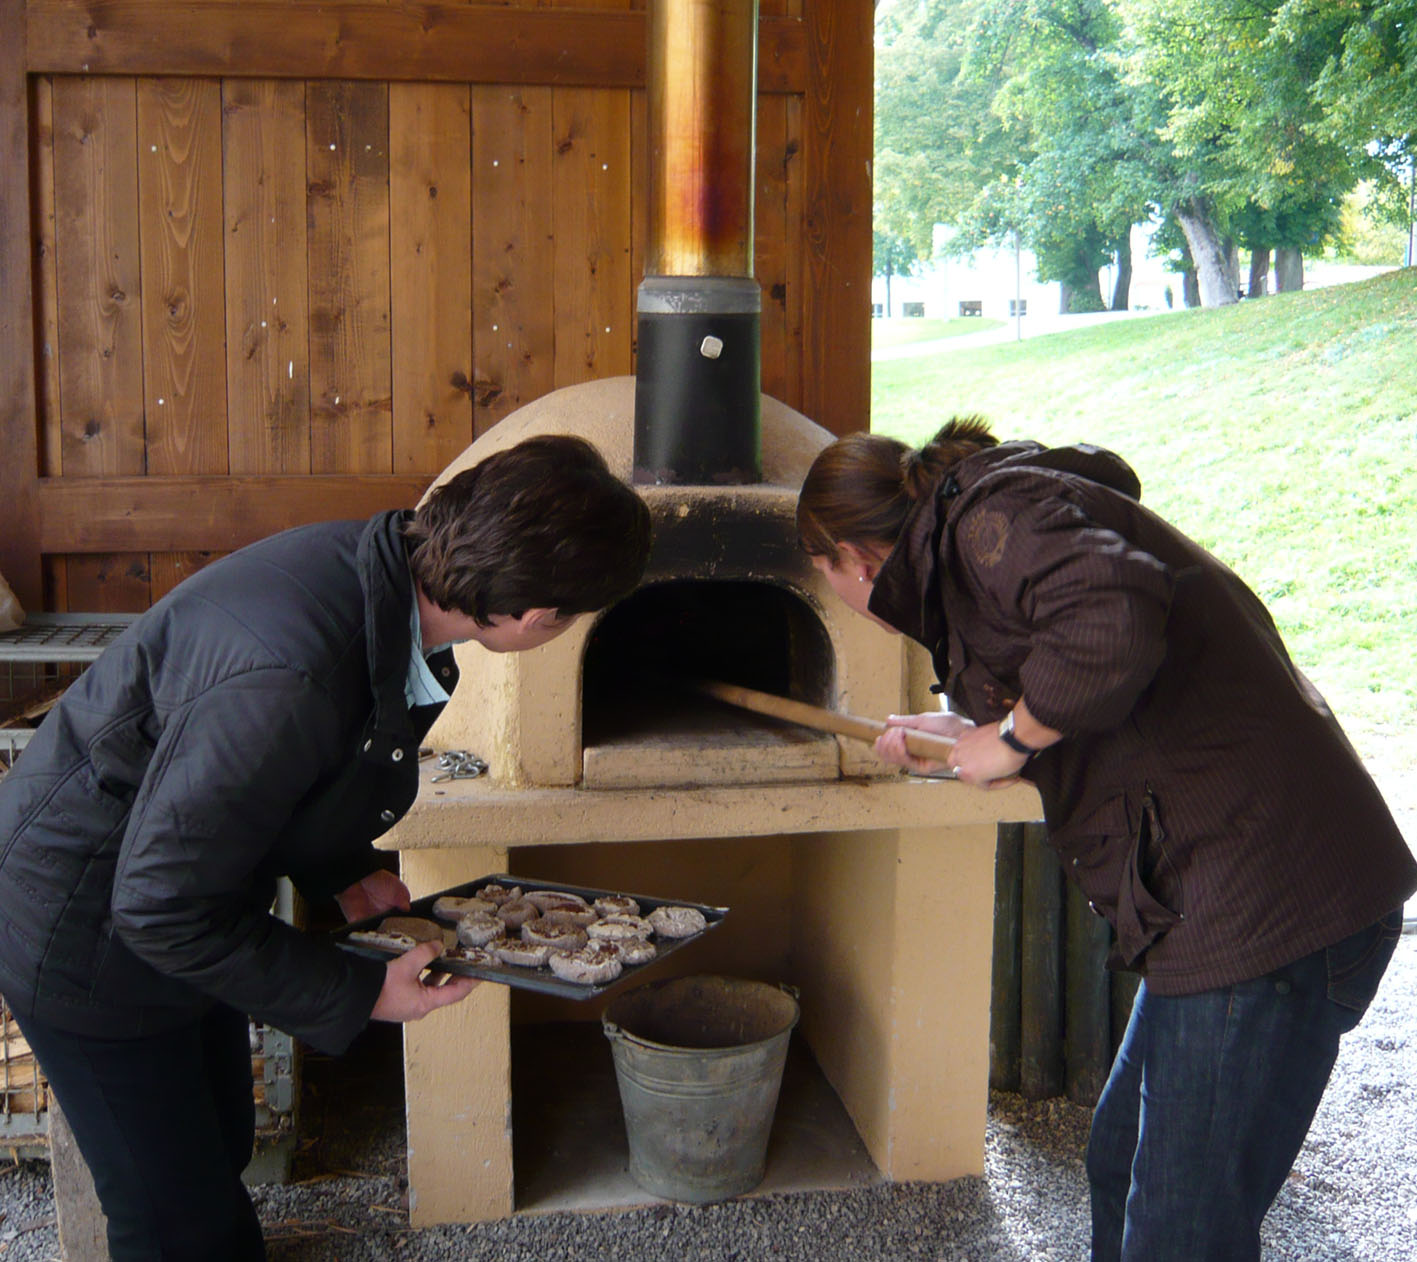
[{"x": 870, "y": 892}]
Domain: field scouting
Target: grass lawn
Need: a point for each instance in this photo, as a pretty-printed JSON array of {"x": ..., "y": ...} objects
[
  {"x": 1281, "y": 433},
  {"x": 899, "y": 331}
]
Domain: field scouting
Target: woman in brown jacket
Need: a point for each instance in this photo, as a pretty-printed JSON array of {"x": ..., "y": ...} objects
[{"x": 1193, "y": 781}]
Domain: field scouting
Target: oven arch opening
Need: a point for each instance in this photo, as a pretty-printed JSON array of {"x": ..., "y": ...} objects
[{"x": 642, "y": 722}]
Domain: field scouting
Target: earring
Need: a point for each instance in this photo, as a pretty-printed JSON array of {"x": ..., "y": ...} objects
[{"x": 860, "y": 578}]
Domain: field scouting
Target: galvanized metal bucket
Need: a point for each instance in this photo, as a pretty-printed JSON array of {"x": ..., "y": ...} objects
[{"x": 699, "y": 1062}]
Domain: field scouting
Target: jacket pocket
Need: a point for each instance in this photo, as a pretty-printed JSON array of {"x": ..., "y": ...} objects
[{"x": 1118, "y": 853}]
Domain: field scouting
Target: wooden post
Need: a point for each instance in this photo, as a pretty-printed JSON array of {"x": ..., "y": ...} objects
[
  {"x": 19, "y": 469},
  {"x": 1041, "y": 1014},
  {"x": 1124, "y": 991},
  {"x": 1004, "y": 994},
  {"x": 83, "y": 1229},
  {"x": 1087, "y": 1031}
]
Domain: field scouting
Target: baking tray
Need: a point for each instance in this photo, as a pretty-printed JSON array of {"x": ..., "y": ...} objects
[{"x": 542, "y": 980}]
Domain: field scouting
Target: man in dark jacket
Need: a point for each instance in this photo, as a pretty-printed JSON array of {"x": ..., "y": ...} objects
[
  {"x": 263, "y": 720},
  {"x": 1194, "y": 783}
]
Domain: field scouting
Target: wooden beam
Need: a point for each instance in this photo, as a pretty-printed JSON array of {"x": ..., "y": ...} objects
[
  {"x": 205, "y": 513},
  {"x": 19, "y": 440},
  {"x": 476, "y": 43},
  {"x": 836, "y": 240}
]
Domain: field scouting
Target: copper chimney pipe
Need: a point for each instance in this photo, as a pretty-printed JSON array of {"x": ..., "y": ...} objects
[{"x": 699, "y": 373}]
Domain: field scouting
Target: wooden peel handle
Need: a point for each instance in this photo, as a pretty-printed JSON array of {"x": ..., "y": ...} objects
[{"x": 921, "y": 744}]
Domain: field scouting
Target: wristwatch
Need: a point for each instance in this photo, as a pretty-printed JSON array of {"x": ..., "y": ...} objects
[{"x": 1006, "y": 734}]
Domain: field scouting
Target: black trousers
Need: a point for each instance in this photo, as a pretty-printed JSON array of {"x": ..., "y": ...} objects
[{"x": 166, "y": 1124}]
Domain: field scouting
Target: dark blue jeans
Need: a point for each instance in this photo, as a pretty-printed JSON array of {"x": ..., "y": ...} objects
[
  {"x": 1209, "y": 1100},
  {"x": 165, "y": 1124}
]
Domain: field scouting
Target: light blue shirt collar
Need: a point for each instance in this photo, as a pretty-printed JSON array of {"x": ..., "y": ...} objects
[{"x": 421, "y": 687}]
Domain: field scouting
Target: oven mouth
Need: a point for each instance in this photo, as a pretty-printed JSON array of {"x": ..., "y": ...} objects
[{"x": 644, "y": 722}]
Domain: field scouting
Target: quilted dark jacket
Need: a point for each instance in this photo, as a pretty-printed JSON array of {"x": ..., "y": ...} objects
[
  {"x": 1203, "y": 795},
  {"x": 252, "y": 724}
]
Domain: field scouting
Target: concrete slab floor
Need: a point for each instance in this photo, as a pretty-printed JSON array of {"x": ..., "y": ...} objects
[{"x": 570, "y": 1150}]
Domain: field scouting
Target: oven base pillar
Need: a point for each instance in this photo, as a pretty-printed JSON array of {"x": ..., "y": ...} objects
[{"x": 458, "y": 1077}]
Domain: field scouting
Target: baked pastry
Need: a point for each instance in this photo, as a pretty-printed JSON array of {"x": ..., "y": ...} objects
[
  {"x": 591, "y": 964},
  {"x": 619, "y": 928},
  {"x": 578, "y": 916},
  {"x": 677, "y": 922},
  {"x": 480, "y": 928},
  {"x": 561, "y": 900},
  {"x": 548, "y": 933},
  {"x": 515, "y": 951},
  {"x": 399, "y": 942},
  {"x": 418, "y": 928},
  {"x": 498, "y": 894},
  {"x": 516, "y": 912},
  {"x": 635, "y": 950},
  {"x": 450, "y": 907},
  {"x": 616, "y": 905},
  {"x": 480, "y": 956}
]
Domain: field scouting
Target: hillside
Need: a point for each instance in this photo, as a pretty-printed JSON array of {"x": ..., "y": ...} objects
[{"x": 1281, "y": 433}]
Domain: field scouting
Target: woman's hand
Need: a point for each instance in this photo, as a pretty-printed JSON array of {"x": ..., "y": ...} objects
[
  {"x": 981, "y": 758},
  {"x": 377, "y": 893},
  {"x": 890, "y": 745},
  {"x": 406, "y": 997}
]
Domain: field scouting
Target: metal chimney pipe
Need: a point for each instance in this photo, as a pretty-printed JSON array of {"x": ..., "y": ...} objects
[{"x": 698, "y": 385}]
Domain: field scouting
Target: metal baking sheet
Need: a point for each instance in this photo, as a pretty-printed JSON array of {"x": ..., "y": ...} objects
[{"x": 517, "y": 976}]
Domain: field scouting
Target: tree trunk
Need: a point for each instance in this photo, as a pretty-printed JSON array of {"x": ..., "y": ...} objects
[
  {"x": 1190, "y": 288},
  {"x": 1065, "y": 297},
  {"x": 1288, "y": 269},
  {"x": 1122, "y": 290},
  {"x": 1259, "y": 272},
  {"x": 1214, "y": 276}
]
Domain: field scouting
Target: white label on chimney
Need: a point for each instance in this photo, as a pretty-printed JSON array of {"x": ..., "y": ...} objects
[{"x": 711, "y": 347}]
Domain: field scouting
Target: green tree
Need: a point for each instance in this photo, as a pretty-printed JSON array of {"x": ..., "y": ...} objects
[{"x": 891, "y": 256}]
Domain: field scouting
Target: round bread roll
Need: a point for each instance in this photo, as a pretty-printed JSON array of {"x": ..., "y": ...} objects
[
  {"x": 472, "y": 955},
  {"x": 592, "y": 964},
  {"x": 616, "y": 905},
  {"x": 619, "y": 928},
  {"x": 635, "y": 950},
  {"x": 515, "y": 951},
  {"x": 516, "y": 912},
  {"x": 548, "y": 933},
  {"x": 498, "y": 894},
  {"x": 399, "y": 942},
  {"x": 578, "y": 916},
  {"x": 677, "y": 922},
  {"x": 480, "y": 928},
  {"x": 416, "y": 927},
  {"x": 450, "y": 907},
  {"x": 562, "y": 900}
]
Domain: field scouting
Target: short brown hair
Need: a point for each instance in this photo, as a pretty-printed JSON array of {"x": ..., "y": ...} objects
[
  {"x": 542, "y": 525},
  {"x": 861, "y": 488}
]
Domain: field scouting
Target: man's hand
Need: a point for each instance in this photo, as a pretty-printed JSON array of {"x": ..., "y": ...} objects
[
  {"x": 377, "y": 893},
  {"x": 405, "y": 997}
]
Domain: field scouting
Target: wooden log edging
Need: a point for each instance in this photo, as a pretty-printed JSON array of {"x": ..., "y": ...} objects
[{"x": 1057, "y": 1014}]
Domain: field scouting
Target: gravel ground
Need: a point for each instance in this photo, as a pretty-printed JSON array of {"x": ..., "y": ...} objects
[{"x": 1352, "y": 1194}]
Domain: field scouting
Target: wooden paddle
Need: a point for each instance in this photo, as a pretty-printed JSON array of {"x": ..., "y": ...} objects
[{"x": 921, "y": 744}]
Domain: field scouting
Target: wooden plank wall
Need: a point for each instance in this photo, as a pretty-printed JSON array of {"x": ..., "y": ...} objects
[{"x": 262, "y": 263}]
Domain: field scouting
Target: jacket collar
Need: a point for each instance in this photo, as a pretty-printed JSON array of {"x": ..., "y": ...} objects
[
  {"x": 907, "y": 590},
  {"x": 382, "y": 564}
]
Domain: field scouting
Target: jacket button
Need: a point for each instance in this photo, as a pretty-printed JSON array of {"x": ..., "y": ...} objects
[
  {"x": 368, "y": 745},
  {"x": 397, "y": 755},
  {"x": 446, "y": 671},
  {"x": 387, "y": 816}
]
